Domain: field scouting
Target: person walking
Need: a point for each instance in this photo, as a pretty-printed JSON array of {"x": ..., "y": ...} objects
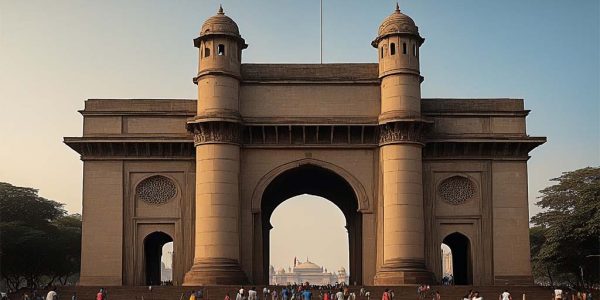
[
  {"x": 505, "y": 296},
  {"x": 226, "y": 297},
  {"x": 468, "y": 295},
  {"x": 557, "y": 294},
  {"x": 252, "y": 294},
  {"x": 52, "y": 295},
  {"x": 100, "y": 294},
  {"x": 307, "y": 294},
  {"x": 285, "y": 293},
  {"x": 340, "y": 294},
  {"x": 192, "y": 295},
  {"x": 385, "y": 295}
]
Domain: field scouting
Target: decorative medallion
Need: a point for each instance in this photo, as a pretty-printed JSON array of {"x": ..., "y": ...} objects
[
  {"x": 156, "y": 190},
  {"x": 456, "y": 190}
]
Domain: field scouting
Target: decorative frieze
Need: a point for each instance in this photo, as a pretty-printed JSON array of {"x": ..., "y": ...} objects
[
  {"x": 310, "y": 135},
  {"x": 216, "y": 132},
  {"x": 402, "y": 131}
]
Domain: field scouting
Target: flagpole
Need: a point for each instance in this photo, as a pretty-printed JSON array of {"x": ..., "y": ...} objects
[{"x": 321, "y": 31}]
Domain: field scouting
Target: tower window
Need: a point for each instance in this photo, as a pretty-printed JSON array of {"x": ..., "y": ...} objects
[
  {"x": 206, "y": 52},
  {"x": 381, "y": 52},
  {"x": 415, "y": 49},
  {"x": 403, "y": 48},
  {"x": 393, "y": 49},
  {"x": 221, "y": 49}
]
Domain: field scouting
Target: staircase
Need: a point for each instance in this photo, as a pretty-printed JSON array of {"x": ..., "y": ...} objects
[{"x": 218, "y": 292}]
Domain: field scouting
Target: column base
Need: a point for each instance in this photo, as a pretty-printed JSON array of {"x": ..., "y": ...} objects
[
  {"x": 403, "y": 271},
  {"x": 215, "y": 271}
]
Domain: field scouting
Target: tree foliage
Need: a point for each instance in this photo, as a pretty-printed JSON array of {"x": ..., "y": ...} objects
[
  {"x": 39, "y": 242},
  {"x": 566, "y": 238}
]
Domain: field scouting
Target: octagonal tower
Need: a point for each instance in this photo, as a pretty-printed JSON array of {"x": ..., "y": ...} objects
[
  {"x": 401, "y": 142},
  {"x": 216, "y": 130}
]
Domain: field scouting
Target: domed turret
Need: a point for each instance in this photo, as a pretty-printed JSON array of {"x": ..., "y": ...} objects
[
  {"x": 397, "y": 23},
  {"x": 220, "y": 48},
  {"x": 216, "y": 129},
  {"x": 220, "y": 24},
  {"x": 401, "y": 141},
  {"x": 398, "y": 43}
]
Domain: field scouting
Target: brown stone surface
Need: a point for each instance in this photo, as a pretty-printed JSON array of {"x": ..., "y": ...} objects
[{"x": 362, "y": 127}]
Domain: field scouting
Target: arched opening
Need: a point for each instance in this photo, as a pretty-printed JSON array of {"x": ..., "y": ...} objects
[
  {"x": 393, "y": 49},
  {"x": 153, "y": 256},
  {"x": 293, "y": 254},
  {"x": 166, "y": 264},
  {"x": 317, "y": 181},
  {"x": 221, "y": 49},
  {"x": 459, "y": 248}
]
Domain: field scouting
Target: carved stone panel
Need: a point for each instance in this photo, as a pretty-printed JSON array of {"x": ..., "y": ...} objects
[
  {"x": 457, "y": 190},
  {"x": 215, "y": 132},
  {"x": 156, "y": 190}
]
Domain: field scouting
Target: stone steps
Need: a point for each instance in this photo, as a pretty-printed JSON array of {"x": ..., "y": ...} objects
[{"x": 218, "y": 292}]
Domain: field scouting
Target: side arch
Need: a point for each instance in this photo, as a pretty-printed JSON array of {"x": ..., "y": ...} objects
[
  {"x": 362, "y": 198},
  {"x": 153, "y": 244},
  {"x": 461, "y": 247}
]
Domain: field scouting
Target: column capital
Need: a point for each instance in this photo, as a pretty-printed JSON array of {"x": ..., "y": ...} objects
[
  {"x": 403, "y": 132},
  {"x": 215, "y": 132}
]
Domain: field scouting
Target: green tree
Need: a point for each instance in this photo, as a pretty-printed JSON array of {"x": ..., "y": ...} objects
[
  {"x": 566, "y": 236},
  {"x": 39, "y": 242}
]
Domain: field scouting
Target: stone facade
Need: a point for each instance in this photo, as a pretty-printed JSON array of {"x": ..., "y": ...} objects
[{"x": 407, "y": 172}]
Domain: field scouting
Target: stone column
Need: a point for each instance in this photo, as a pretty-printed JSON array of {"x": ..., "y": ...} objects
[
  {"x": 217, "y": 239},
  {"x": 403, "y": 227},
  {"x": 217, "y": 129},
  {"x": 401, "y": 142}
]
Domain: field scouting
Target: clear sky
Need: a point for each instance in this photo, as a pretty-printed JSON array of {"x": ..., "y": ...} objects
[{"x": 56, "y": 54}]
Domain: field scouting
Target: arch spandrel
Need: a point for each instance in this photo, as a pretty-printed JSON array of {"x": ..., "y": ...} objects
[{"x": 363, "y": 200}]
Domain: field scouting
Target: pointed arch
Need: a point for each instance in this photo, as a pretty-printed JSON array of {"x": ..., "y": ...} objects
[
  {"x": 361, "y": 194},
  {"x": 462, "y": 257}
]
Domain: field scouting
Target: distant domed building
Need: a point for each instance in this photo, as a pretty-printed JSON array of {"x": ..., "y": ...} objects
[{"x": 306, "y": 271}]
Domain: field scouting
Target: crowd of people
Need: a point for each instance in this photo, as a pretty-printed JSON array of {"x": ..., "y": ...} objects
[
  {"x": 298, "y": 292},
  {"x": 474, "y": 295},
  {"x": 559, "y": 294},
  {"x": 307, "y": 291}
]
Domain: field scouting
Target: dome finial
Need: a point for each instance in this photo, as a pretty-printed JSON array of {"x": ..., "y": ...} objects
[
  {"x": 220, "y": 12},
  {"x": 397, "y": 7}
]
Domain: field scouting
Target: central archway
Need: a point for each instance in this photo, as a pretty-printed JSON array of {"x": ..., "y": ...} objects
[{"x": 318, "y": 181}]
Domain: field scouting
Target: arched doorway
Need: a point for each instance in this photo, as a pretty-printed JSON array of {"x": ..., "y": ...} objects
[
  {"x": 292, "y": 253},
  {"x": 153, "y": 251},
  {"x": 460, "y": 252},
  {"x": 318, "y": 181}
]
